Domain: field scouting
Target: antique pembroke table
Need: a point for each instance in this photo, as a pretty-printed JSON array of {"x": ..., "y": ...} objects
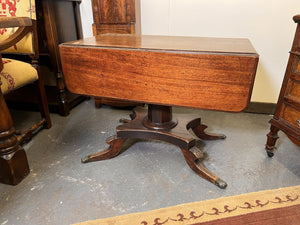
[{"x": 163, "y": 71}]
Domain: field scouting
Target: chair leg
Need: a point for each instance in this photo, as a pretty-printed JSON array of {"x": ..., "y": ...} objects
[
  {"x": 43, "y": 103},
  {"x": 64, "y": 109},
  {"x": 13, "y": 160}
]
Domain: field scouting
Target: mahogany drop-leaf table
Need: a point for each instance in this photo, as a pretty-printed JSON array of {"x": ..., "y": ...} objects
[{"x": 163, "y": 71}]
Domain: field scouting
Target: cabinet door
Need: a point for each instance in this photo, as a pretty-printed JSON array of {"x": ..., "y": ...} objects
[
  {"x": 114, "y": 16},
  {"x": 113, "y": 12}
]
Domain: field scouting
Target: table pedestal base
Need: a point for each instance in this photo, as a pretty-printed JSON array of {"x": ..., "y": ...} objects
[{"x": 158, "y": 124}]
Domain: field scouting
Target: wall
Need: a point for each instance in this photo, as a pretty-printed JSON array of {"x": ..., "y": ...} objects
[
  {"x": 86, "y": 18},
  {"x": 268, "y": 24}
]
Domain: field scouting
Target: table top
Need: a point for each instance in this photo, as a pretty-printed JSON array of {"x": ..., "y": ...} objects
[
  {"x": 197, "y": 72},
  {"x": 168, "y": 43}
]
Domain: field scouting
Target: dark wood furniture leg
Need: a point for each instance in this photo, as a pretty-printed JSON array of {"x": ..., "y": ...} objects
[
  {"x": 199, "y": 128},
  {"x": 114, "y": 150},
  {"x": 272, "y": 138},
  {"x": 287, "y": 113},
  {"x": 52, "y": 39},
  {"x": 65, "y": 102},
  {"x": 158, "y": 123},
  {"x": 13, "y": 160}
]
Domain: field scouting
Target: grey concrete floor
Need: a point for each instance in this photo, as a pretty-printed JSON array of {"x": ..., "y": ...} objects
[{"x": 148, "y": 175}]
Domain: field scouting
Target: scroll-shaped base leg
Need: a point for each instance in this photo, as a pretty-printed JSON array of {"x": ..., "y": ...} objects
[
  {"x": 114, "y": 149},
  {"x": 132, "y": 117},
  {"x": 192, "y": 157},
  {"x": 199, "y": 128},
  {"x": 272, "y": 138}
]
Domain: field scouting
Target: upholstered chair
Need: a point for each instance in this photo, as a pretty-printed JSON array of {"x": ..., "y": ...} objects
[{"x": 18, "y": 35}]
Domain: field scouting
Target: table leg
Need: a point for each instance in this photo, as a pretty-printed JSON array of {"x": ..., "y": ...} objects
[
  {"x": 192, "y": 157},
  {"x": 199, "y": 128},
  {"x": 114, "y": 149},
  {"x": 158, "y": 124}
]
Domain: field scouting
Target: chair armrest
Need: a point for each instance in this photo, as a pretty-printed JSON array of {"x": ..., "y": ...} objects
[
  {"x": 24, "y": 25},
  {"x": 6, "y": 22}
]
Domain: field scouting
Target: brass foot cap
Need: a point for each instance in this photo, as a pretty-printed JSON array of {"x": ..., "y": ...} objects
[
  {"x": 85, "y": 159},
  {"x": 220, "y": 183}
]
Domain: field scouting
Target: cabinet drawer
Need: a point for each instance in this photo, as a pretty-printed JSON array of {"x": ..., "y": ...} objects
[
  {"x": 292, "y": 116},
  {"x": 296, "y": 63},
  {"x": 297, "y": 67},
  {"x": 294, "y": 90}
]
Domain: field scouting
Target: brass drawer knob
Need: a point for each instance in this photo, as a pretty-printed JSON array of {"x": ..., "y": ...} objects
[{"x": 298, "y": 122}]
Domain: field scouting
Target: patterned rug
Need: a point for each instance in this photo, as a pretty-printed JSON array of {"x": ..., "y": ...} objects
[{"x": 276, "y": 207}]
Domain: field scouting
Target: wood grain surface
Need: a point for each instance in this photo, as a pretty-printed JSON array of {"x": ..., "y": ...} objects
[
  {"x": 172, "y": 43},
  {"x": 208, "y": 73},
  {"x": 287, "y": 113}
]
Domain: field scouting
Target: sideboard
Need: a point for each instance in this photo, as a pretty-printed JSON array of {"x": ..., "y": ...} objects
[{"x": 287, "y": 113}]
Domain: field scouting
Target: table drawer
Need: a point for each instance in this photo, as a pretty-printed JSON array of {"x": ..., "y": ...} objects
[{"x": 292, "y": 116}]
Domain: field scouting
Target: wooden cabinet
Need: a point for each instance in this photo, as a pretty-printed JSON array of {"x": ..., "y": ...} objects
[
  {"x": 118, "y": 16},
  {"x": 59, "y": 21},
  {"x": 287, "y": 113}
]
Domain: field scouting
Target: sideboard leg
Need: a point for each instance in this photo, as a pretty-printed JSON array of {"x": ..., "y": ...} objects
[
  {"x": 192, "y": 157},
  {"x": 272, "y": 138},
  {"x": 116, "y": 145}
]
